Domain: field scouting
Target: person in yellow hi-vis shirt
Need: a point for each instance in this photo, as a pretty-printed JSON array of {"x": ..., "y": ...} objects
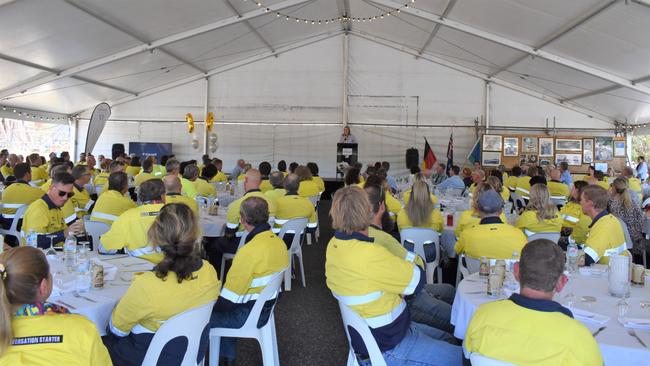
[
  {"x": 372, "y": 281},
  {"x": 541, "y": 214},
  {"x": 39, "y": 175},
  {"x": 34, "y": 331},
  {"x": 606, "y": 236},
  {"x": 113, "y": 202},
  {"x": 173, "y": 167},
  {"x": 420, "y": 210},
  {"x": 129, "y": 231},
  {"x": 529, "y": 328},
  {"x": 182, "y": 281},
  {"x": 576, "y": 223},
  {"x": 253, "y": 267},
  {"x": 173, "y": 193},
  {"x": 18, "y": 193}
]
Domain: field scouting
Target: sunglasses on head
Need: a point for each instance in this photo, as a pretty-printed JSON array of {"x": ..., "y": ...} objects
[{"x": 64, "y": 193}]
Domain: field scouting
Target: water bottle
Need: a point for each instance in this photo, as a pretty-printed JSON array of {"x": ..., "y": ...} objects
[
  {"x": 572, "y": 257},
  {"x": 70, "y": 253},
  {"x": 83, "y": 269},
  {"x": 31, "y": 240}
]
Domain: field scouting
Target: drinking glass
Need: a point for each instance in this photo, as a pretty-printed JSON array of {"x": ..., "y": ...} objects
[{"x": 51, "y": 250}]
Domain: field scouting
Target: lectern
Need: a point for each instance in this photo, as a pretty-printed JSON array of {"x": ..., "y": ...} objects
[{"x": 345, "y": 153}]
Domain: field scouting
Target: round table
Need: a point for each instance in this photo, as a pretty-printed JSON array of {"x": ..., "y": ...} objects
[
  {"x": 616, "y": 345},
  {"x": 97, "y": 305},
  {"x": 214, "y": 226}
]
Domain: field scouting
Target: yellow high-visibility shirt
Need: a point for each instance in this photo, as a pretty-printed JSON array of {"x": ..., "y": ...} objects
[
  {"x": 159, "y": 171},
  {"x": 575, "y": 219},
  {"x": 263, "y": 255},
  {"x": 435, "y": 221},
  {"x": 188, "y": 188},
  {"x": 6, "y": 171},
  {"x": 391, "y": 244},
  {"x": 233, "y": 208},
  {"x": 220, "y": 177},
  {"x": 177, "y": 198},
  {"x": 525, "y": 331},
  {"x": 143, "y": 177},
  {"x": 505, "y": 194},
  {"x": 19, "y": 193},
  {"x": 102, "y": 180},
  {"x": 265, "y": 186},
  {"x": 275, "y": 193},
  {"x": 308, "y": 188},
  {"x": 39, "y": 176},
  {"x": 605, "y": 238},
  {"x": 319, "y": 182},
  {"x": 558, "y": 189},
  {"x": 81, "y": 201},
  {"x": 530, "y": 225},
  {"x": 205, "y": 189},
  {"x": 55, "y": 339},
  {"x": 635, "y": 185},
  {"x": 110, "y": 205},
  {"x": 523, "y": 186},
  {"x": 470, "y": 218},
  {"x": 129, "y": 231},
  {"x": 392, "y": 205},
  {"x": 133, "y": 170},
  {"x": 603, "y": 184},
  {"x": 293, "y": 206},
  {"x": 510, "y": 182},
  {"x": 44, "y": 218},
  {"x": 492, "y": 239},
  {"x": 150, "y": 300}
]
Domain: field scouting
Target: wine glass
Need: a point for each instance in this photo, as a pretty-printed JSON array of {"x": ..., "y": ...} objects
[
  {"x": 51, "y": 250},
  {"x": 622, "y": 305}
]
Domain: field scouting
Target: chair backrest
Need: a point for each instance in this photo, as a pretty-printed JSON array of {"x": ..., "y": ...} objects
[
  {"x": 242, "y": 239},
  {"x": 478, "y": 359},
  {"x": 420, "y": 237},
  {"x": 554, "y": 237},
  {"x": 468, "y": 265},
  {"x": 558, "y": 200},
  {"x": 188, "y": 324},
  {"x": 314, "y": 199},
  {"x": 294, "y": 226},
  {"x": 626, "y": 232},
  {"x": 354, "y": 321},
  {"x": 13, "y": 229},
  {"x": 202, "y": 199},
  {"x": 269, "y": 292},
  {"x": 96, "y": 229}
]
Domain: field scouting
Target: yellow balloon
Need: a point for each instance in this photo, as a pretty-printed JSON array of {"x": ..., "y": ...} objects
[
  {"x": 209, "y": 121},
  {"x": 190, "y": 122}
]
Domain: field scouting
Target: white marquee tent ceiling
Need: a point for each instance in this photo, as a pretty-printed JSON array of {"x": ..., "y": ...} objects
[{"x": 65, "y": 56}]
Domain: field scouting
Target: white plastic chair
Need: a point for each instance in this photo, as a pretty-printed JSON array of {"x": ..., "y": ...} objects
[
  {"x": 559, "y": 200},
  {"x": 314, "y": 200},
  {"x": 421, "y": 237},
  {"x": 16, "y": 217},
  {"x": 354, "y": 321},
  {"x": 466, "y": 266},
  {"x": 295, "y": 227},
  {"x": 229, "y": 256},
  {"x": 95, "y": 230},
  {"x": 478, "y": 359},
  {"x": 626, "y": 233},
  {"x": 552, "y": 236},
  {"x": 99, "y": 189},
  {"x": 265, "y": 335},
  {"x": 189, "y": 324}
]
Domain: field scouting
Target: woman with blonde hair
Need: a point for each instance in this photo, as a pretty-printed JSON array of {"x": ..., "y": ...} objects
[
  {"x": 576, "y": 223},
  {"x": 308, "y": 186},
  {"x": 621, "y": 205},
  {"x": 180, "y": 282},
  {"x": 541, "y": 214},
  {"x": 420, "y": 210},
  {"x": 419, "y": 177},
  {"x": 470, "y": 218},
  {"x": 495, "y": 182},
  {"x": 34, "y": 331}
]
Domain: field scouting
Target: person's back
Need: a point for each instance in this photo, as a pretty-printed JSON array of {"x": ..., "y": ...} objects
[
  {"x": 20, "y": 192},
  {"x": 205, "y": 189},
  {"x": 293, "y": 206},
  {"x": 178, "y": 198},
  {"x": 531, "y": 224},
  {"x": 112, "y": 203},
  {"x": 470, "y": 218},
  {"x": 606, "y": 236},
  {"x": 420, "y": 210}
]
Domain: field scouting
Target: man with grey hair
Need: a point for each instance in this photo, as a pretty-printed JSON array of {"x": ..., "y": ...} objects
[
  {"x": 492, "y": 238},
  {"x": 191, "y": 172},
  {"x": 439, "y": 174},
  {"x": 237, "y": 170},
  {"x": 173, "y": 167},
  {"x": 292, "y": 206},
  {"x": 508, "y": 330},
  {"x": 277, "y": 181},
  {"x": 263, "y": 255},
  {"x": 173, "y": 194}
]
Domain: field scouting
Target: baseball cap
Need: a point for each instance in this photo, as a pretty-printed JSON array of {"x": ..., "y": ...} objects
[{"x": 490, "y": 202}]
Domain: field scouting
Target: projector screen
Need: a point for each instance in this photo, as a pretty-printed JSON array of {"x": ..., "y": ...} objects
[{"x": 144, "y": 149}]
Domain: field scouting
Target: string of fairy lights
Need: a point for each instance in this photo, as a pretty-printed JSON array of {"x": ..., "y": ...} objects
[
  {"x": 343, "y": 18},
  {"x": 31, "y": 115}
]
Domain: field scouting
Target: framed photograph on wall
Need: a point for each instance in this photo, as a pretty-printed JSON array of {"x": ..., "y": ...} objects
[
  {"x": 528, "y": 158},
  {"x": 619, "y": 149},
  {"x": 491, "y": 158},
  {"x": 492, "y": 143},
  {"x": 568, "y": 144},
  {"x": 510, "y": 146},
  {"x": 604, "y": 148},
  {"x": 545, "y": 146},
  {"x": 572, "y": 159},
  {"x": 529, "y": 145},
  {"x": 587, "y": 151}
]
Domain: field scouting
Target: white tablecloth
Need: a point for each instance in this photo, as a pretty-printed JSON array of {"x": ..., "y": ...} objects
[
  {"x": 214, "y": 226},
  {"x": 616, "y": 345},
  {"x": 99, "y": 312}
]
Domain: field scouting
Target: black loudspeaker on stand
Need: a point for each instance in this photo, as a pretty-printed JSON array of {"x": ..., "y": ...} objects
[
  {"x": 117, "y": 150},
  {"x": 412, "y": 158}
]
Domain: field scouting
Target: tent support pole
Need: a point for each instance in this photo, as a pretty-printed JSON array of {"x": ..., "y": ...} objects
[
  {"x": 205, "y": 115},
  {"x": 346, "y": 66},
  {"x": 487, "y": 106}
]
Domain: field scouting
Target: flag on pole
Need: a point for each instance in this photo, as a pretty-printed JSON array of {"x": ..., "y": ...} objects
[
  {"x": 429, "y": 156},
  {"x": 475, "y": 154},
  {"x": 450, "y": 153}
]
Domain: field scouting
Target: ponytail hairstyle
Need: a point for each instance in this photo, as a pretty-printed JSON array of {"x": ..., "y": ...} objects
[
  {"x": 480, "y": 189},
  {"x": 540, "y": 201},
  {"x": 620, "y": 186},
  {"x": 22, "y": 270},
  {"x": 175, "y": 231},
  {"x": 420, "y": 206},
  {"x": 495, "y": 182}
]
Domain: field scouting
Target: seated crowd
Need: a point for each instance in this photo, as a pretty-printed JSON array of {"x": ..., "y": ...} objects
[{"x": 152, "y": 213}]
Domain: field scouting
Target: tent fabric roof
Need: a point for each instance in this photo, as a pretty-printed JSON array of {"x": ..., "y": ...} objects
[{"x": 65, "y": 56}]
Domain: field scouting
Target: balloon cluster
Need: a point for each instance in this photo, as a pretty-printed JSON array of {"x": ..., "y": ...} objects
[{"x": 212, "y": 137}]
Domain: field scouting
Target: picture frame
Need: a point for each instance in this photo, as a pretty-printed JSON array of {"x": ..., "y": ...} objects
[
  {"x": 529, "y": 145},
  {"x": 619, "y": 148},
  {"x": 568, "y": 144},
  {"x": 572, "y": 159},
  {"x": 546, "y": 146},
  {"x": 604, "y": 148},
  {"x": 510, "y": 146},
  {"x": 528, "y": 159},
  {"x": 587, "y": 151},
  {"x": 492, "y": 143},
  {"x": 491, "y": 158}
]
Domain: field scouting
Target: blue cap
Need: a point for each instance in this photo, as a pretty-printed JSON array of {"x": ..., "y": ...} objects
[{"x": 490, "y": 202}]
